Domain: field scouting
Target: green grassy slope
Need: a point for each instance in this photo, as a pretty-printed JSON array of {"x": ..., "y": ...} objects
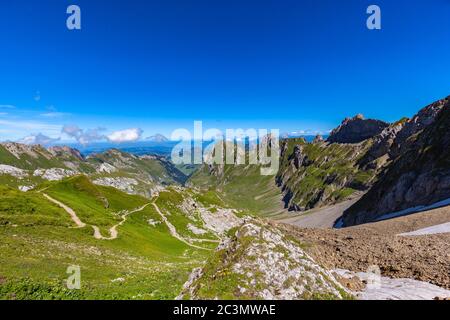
[
  {"x": 242, "y": 187},
  {"x": 38, "y": 243}
]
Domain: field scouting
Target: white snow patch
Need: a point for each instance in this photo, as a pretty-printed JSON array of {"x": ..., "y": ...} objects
[
  {"x": 435, "y": 205},
  {"x": 439, "y": 228},
  {"x": 395, "y": 289}
]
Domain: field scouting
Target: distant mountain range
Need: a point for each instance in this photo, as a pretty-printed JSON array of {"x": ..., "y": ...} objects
[{"x": 157, "y": 138}]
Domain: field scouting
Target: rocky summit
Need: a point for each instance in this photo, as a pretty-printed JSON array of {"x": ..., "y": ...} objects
[
  {"x": 419, "y": 176},
  {"x": 356, "y": 129}
]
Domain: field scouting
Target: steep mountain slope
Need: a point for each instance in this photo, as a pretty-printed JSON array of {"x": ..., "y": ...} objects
[
  {"x": 310, "y": 175},
  {"x": 419, "y": 175},
  {"x": 26, "y": 166},
  {"x": 316, "y": 174}
]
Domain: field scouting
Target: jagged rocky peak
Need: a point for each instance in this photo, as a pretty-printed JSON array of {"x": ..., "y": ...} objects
[
  {"x": 64, "y": 151},
  {"x": 418, "y": 176},
  {"x": 318, "y": 139},
  {"x": 421, "y": 120},
  {"x": 357, "y": 129}
]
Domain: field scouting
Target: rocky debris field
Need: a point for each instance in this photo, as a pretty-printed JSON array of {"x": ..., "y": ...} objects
[{"x": 424, "y": 258}]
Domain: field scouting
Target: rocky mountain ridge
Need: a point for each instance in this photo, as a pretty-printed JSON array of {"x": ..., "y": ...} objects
[
  {"x": 419, "y": 174},
  {"x": 25, "y": 166},
  {"x": 356, "y": 129},
  {"x": 321, "y": 173}
]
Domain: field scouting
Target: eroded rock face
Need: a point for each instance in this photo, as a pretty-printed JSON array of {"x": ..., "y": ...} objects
[
  {"x": 54, "y": 174},
  {"x": 382, "y": 145},
  {"x": 419, "y": 176},
  {"x": 65, "y": 151},
  {"x": 18, "y": 149},
  {"x": 127, "y": 185},
  {"x": 12, "y": 171},
  {"x": 420, "y": 121},
  {"x": 318, "y": 139},
  {"x": 356, "y": 129}
]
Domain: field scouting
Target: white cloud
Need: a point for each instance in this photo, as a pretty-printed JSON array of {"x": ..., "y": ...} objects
[
  {"x": 83, "y": 136},
  {"x": 128, "y": 135}
]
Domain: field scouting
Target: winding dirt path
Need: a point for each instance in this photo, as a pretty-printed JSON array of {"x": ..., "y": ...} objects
[
  {"x": 173, "y": 230},
  {"x": 113, "y": 230},
  {"x": 97, "y": 234},
  {"x": 73, "y": 215}
]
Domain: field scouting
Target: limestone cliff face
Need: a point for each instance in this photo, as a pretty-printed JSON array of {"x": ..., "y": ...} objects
[
  {"x": 420, "y": 171},
  {"x": 315, "y": 174},
  {"x": 356, "y": 129}
]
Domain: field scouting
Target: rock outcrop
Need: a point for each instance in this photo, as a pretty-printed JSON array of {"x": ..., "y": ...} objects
[
  {"x": 66, "y": 152},
  {"x": 299, "y": 158},
  {"x": 420, "y": 121},
  {"x": 382, "y": 146},
  {"x": 356, "y": 129},
  {"x": 318, "y": 139},
  {"x": 418, "y": 176},
  {"x": 260, "y": 262}
]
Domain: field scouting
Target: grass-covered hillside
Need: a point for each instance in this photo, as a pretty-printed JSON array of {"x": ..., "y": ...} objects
[
  {"x": 242, "y": 186},
  {"x": 26, "y": 166},
  {"x": 151, "y": 257}
]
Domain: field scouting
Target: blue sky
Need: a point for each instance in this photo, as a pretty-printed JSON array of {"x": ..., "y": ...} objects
[{"x": 154, "y": 66}]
